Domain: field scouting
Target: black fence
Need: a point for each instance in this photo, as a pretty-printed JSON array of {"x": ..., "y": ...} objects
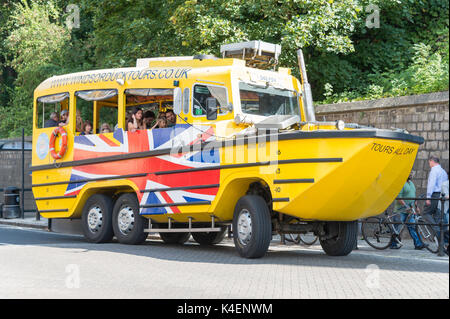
[
  {"x": 21, "y": 187},
  {"x": 437, "y": 223}
]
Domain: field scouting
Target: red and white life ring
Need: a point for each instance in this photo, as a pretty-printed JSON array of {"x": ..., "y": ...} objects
[{"x": 62, "y": 151}]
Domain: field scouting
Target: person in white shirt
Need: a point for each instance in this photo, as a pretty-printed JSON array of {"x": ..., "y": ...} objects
[{"x": 436, "y": 178}]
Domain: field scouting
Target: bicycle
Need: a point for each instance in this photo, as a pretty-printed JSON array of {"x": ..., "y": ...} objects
[
  {"x": 379, "y": 232},
  {"x": 307, "y": 239}
]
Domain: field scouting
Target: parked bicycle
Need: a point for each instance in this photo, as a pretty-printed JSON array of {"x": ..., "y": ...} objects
[
  {"x": 306, "y": 239},
  {"x": 379, "y": 232}
]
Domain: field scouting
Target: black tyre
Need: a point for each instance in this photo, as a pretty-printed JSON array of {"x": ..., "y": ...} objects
[
  {"x": 175, "y": 238},
  {"x": 128, "y": 225},
  {"x": 252, "y": 226},
  {"x": 428, "y": 236},
  {"x": 342, "y": 240},
  {"x": 376, "y": 232},
  {"x": 96, "y": 219},
  {"x": 209, "y": 238}
]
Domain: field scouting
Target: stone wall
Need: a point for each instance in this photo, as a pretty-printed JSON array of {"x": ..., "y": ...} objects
[{"x": 426, "y": 115}]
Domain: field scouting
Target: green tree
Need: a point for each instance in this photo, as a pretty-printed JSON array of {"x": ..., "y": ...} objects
[
  {"x": 127, "y": 30},
  {"x": 35, "y": 42}
]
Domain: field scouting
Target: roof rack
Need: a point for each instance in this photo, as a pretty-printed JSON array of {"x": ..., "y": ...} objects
[{"x": 258, "y": 54}]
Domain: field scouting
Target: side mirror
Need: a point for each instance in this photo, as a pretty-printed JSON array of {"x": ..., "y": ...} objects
[
  {"x": 229, "y": 107},
  {"x": 177, "y": 100},
  {"x": 211, "y": 109}
]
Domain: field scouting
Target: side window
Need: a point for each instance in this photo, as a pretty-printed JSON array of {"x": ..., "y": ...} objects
[
  {"x": 49, "y": 108},
  {"x": 96, "y": 109},
  {"x": 186, "y": 101},
  {"x": 202, "y": 92},
  {"x": 149, "y": 108}
]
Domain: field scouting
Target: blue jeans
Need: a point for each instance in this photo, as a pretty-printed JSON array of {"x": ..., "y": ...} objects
[{"x": 411, "y": 229}]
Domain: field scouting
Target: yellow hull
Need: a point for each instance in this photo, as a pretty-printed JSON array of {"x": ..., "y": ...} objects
[{"x": 364, "y": 184}]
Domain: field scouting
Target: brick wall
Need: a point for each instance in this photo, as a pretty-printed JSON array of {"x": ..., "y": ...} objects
[{"x": 426, "y": 115}]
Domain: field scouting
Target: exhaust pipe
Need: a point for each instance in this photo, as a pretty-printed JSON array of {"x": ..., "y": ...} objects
[{"x": 307, "y": 95}]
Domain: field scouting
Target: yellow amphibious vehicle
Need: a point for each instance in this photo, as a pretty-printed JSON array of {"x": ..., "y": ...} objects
[{"x": 244, "y": 149}]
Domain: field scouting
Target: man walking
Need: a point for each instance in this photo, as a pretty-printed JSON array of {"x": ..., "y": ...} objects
[
  {"x": 436, "y": 177},
  {"x": 404, "y": 206}
]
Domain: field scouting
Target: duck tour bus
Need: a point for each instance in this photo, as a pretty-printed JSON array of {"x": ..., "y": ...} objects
[{"x": 184, "y": 146}]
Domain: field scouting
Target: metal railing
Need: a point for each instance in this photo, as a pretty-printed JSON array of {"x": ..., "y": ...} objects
[
  {"x": 441, "y": 224},
  {"x": 22, "y": 181}
]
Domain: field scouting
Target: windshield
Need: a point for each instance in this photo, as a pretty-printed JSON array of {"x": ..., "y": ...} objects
[{"x": 268, "y": 101}]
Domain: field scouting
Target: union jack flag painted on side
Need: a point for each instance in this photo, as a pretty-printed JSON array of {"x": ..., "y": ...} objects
[{"x": 123, "y": 142}]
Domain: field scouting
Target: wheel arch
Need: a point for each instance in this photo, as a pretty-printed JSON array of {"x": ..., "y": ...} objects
[
  {"x": 106, "y": 188},
  {"x": 236, "y": 187}
]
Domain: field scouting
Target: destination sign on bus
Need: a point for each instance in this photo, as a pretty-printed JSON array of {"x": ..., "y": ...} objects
[{"x": 149, "y": 74}]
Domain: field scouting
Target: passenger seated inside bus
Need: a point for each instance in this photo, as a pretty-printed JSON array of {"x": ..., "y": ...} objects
[
  {"x": 79, "y": 123},
  {"x": 52, "y": 121},
  {"x": 171, "y": 118},
  {"x": 136, "y": 122},
  {"x": 64, "y": 118},
  {"x": 161, "y": 122},
  {"x": 105, "y": 128},
  {"x": 149, "y": 117},
  {"x": 87, "y": 128}
]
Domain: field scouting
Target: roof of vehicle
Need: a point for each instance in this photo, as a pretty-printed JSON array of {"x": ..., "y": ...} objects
[{"x": 168, "y": 68}]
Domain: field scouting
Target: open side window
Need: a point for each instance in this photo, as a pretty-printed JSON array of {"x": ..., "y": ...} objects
[
  {"x": 49, "y": 108},
  {"x": 97, "y": 111},
  {"x": 153, "y": 102}
]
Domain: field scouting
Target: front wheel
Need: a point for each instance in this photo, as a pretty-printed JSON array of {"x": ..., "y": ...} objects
[
  {"x": 341, "y": 238},
  {"x": 252, "y": 226},
  {"x": 427, "y": 235},
  {"x": 376, "y": 232}
]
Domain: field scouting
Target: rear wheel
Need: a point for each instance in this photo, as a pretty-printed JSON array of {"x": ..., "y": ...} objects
[
  {"x": 96, "y": 219},
  {"x": 252, "y": 227},
  {"x": 209, "y": 238},
  {"x": 376, "y": 232},
  {"x": 175, "y": 238},
  {"x": 341, "y": 238},
  {"x": 128, "y": 225}
]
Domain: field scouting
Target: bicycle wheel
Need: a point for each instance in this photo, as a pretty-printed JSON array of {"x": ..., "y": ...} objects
[
  {"x": 427, "y": 235},
  {"x": 376, "y": 232},
  {"x": 293, "y": 238},
  {"x": 308, "y": 239}
]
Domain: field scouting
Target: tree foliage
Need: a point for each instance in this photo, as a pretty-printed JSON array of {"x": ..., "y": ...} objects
[{"x": 346, "y": 60}]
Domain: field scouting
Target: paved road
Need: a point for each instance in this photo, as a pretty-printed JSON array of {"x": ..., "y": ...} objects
[{"x": 39, "y": 264}]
